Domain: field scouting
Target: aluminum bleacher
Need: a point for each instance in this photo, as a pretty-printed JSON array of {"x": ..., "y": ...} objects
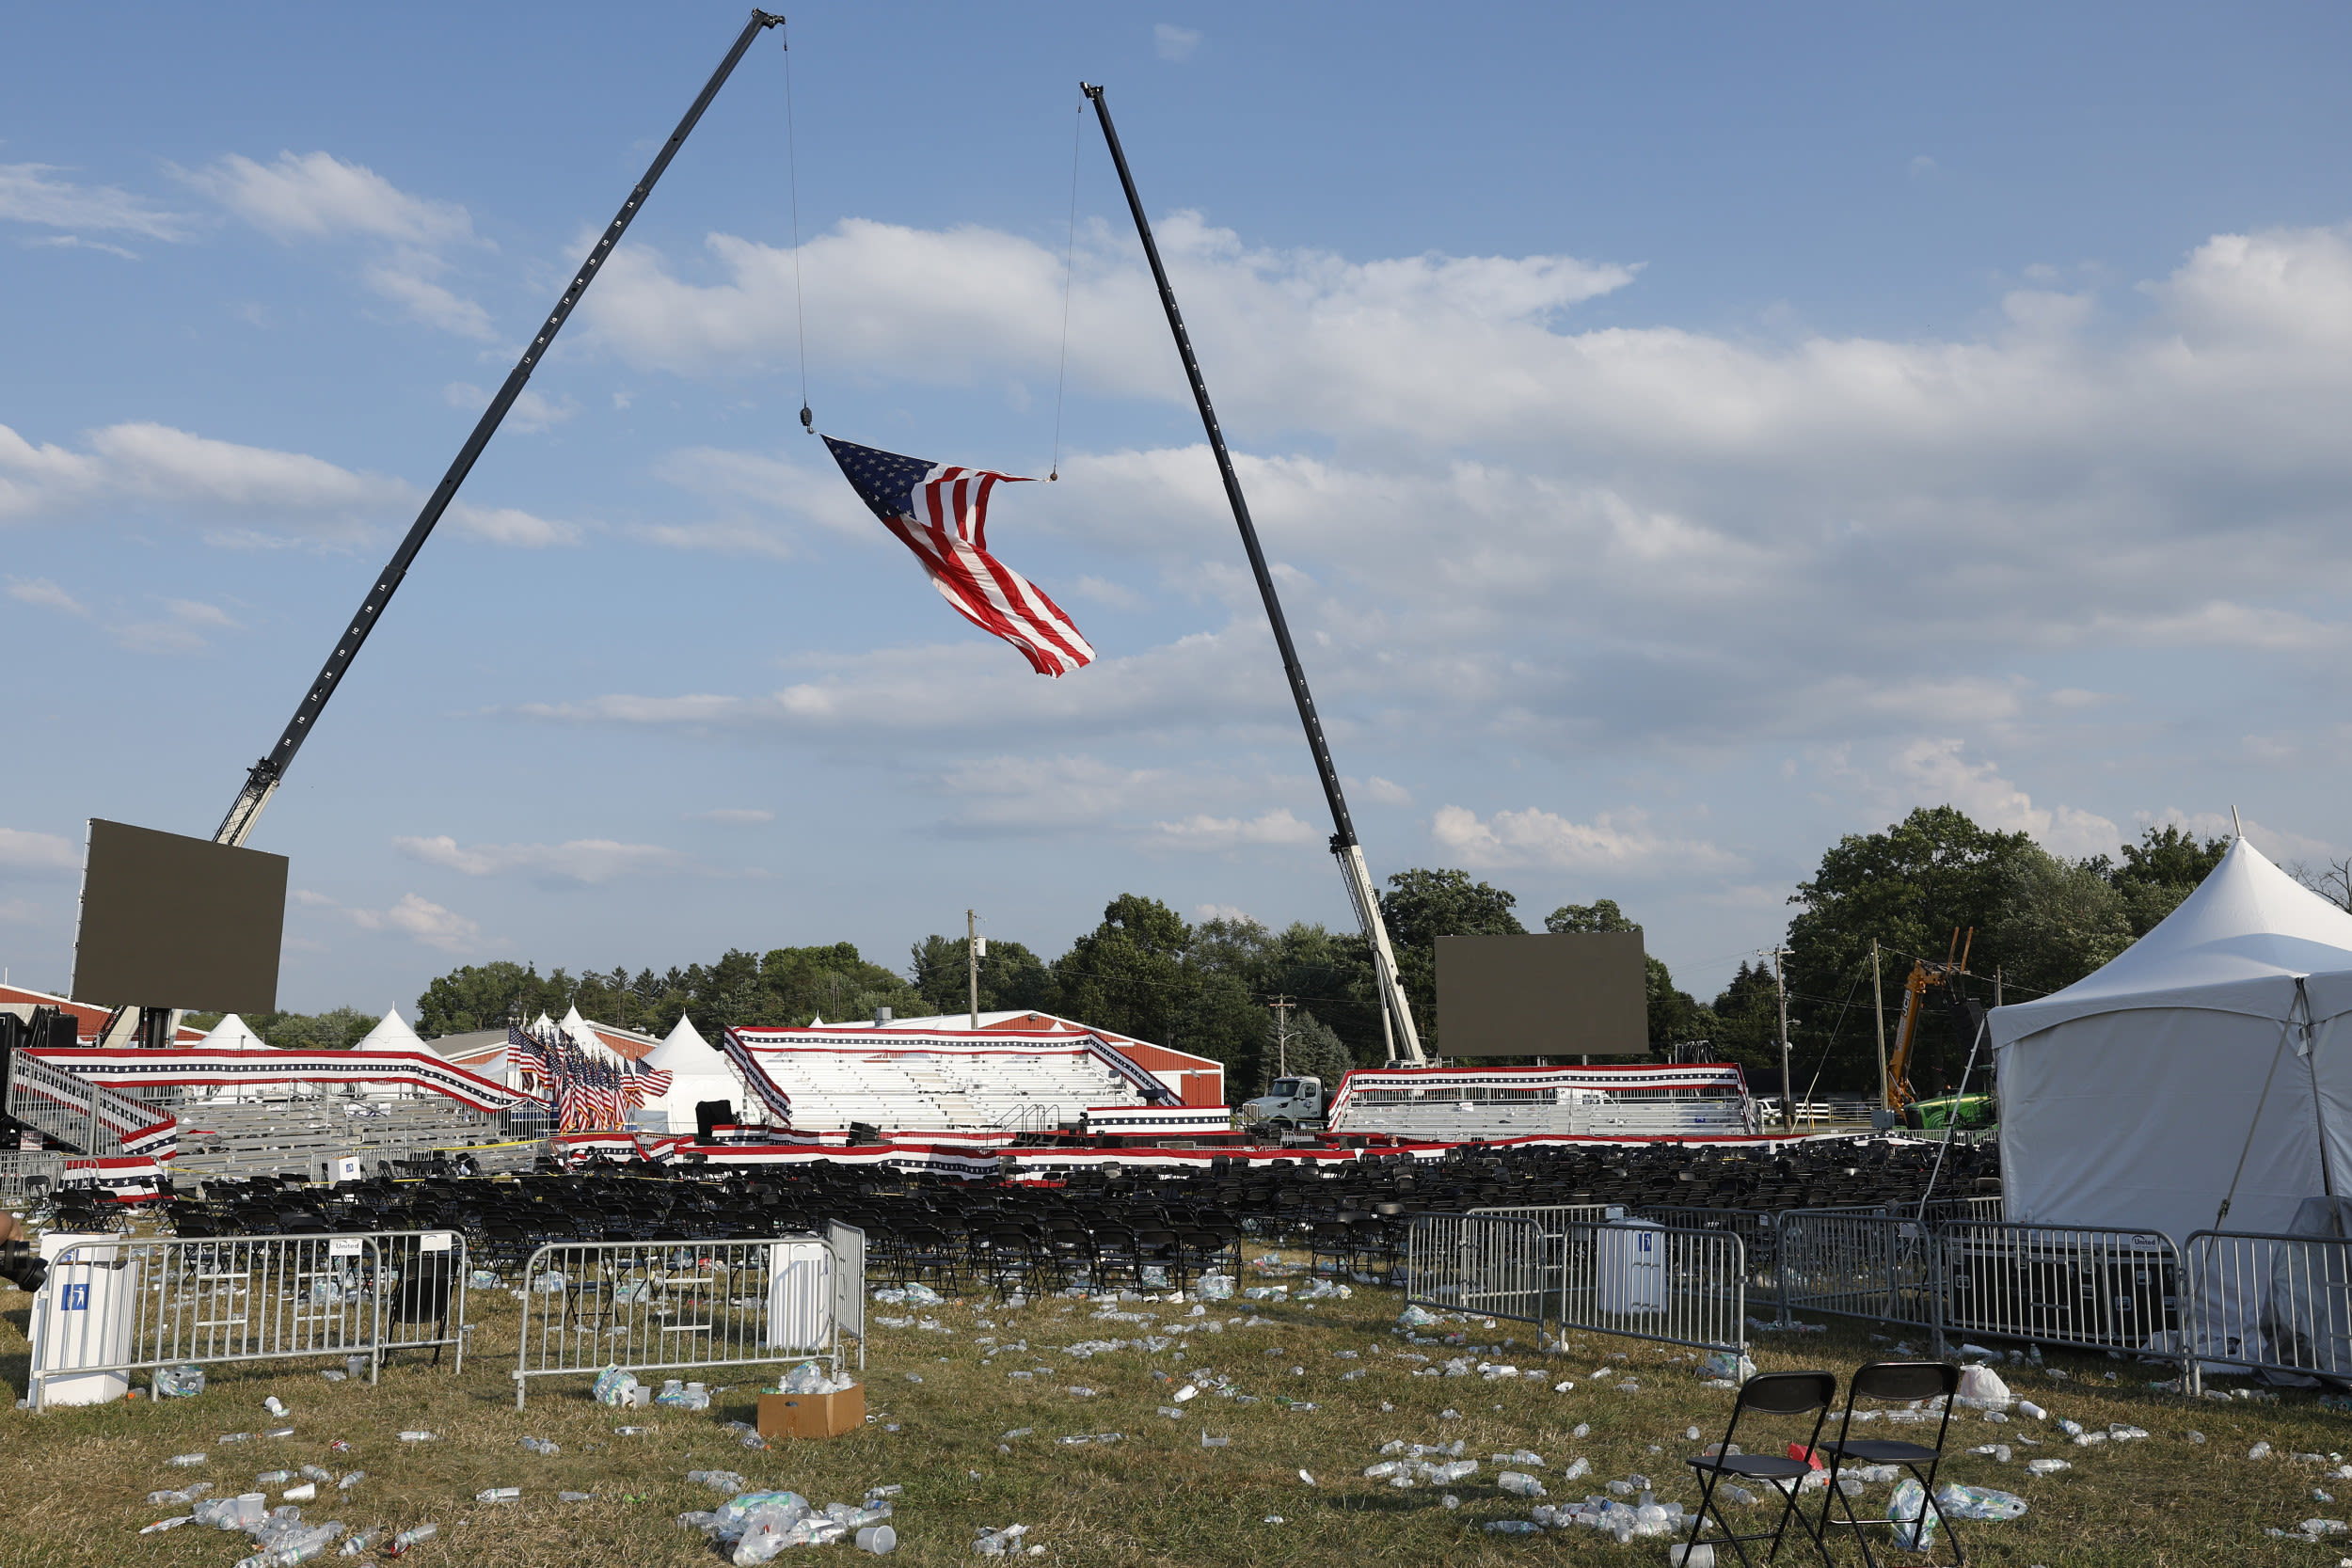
[{"x": 914, "y": 1081}]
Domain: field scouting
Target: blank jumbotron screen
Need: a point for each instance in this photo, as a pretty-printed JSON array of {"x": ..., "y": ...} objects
[
  {"x": 1566, "y": 994},
  {"x": 173, "y": 922}
]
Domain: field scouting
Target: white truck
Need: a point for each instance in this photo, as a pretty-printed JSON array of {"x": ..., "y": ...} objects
[{"x": 1288, "y": 1103}]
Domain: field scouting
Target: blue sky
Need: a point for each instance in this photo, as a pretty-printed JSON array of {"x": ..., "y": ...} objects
[{"x": 1684, "y": 437}]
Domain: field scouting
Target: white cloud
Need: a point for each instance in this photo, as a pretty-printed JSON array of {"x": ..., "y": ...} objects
[
  {"x": 585, "y": 860},
  {"x": 1619, "y": 841},
  {"x": 1201, "y": 832},
  {"x": 318, "y": 195},
  {"x": 506, "y": 525},
  {"x": 22, "y": 851},
  {"x": 426, "y": 921},
  {"x": 407, "y": 280},
  {"x": 180, "y": 630},
  {"x": 1174, "y": 43},
  {"x": 40, "y": 591},
  {"x": 30, "y": 195},
  {"x": 1114, "y": 594},
  {"x": 1227, "y": 913},
  {"x": 733, "y": 817},
  {"x": 1386, "y": 792},
  {"x": 75, "y": 242}
]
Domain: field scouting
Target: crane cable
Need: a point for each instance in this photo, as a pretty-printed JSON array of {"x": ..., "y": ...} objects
[
  {"x": 1069, "y": 268},
  {"x": 792, "y": 171}
]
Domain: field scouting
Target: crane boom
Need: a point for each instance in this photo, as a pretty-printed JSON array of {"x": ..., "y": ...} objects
[
  {"x": 1344, "y": 847},
  {"x": 1923, "y": 975},
  {"x": 263, "y": 780}
]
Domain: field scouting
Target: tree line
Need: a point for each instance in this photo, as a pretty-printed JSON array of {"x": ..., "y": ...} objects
[{"x": 2040, "y": 921}]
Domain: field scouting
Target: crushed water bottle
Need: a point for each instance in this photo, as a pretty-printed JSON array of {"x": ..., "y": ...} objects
[
  {"x": 498, "y": 1495},
  {"x": 162, "y": 1525},
  {"x": 361, "y": 1542},
  {"x": 1915, "y": 1522},
  {"x": 408, "y": 1538},
  {"x": 351, "y": 1480},
  {"x": 719, "y": 1480},
  {"x": 177, "y": 1383},
  {"x": 1520, "y": 1484},
  {"x": 186, "y": 1461},
  {"x": 540, "y": 1445},
  {"x": 1978, "y": 1502}
]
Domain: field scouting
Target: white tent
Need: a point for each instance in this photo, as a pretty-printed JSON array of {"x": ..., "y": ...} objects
[
  {"x": 390, "y": 1035},
  {"x": 698, "y": 1073},
  {"x": 232, "y": 1034},
  {"x": 2212, "y": 1060},
  {"x": 588, "y": 1039}
]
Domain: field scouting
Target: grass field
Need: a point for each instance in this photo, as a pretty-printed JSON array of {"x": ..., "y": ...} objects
[{"x": 73, "y": 1481}]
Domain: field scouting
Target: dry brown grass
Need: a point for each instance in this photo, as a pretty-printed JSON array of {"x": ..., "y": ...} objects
[{"x": 73, "y": 1479}]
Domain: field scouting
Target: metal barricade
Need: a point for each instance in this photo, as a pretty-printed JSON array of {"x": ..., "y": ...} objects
[
  {"x": 1649, "y": 1281},
  {"x": 1758, "y": 1243},
  {"x": 1555, "y": 1218},
  {"x": 2063, "y": 1285},
  {"x": 848, "y": 1283},
  {"x": 682, "y": 1306},
  {"x": 2269, "y": 1302},
  {"x": 115, "y": 1306},
  {"x": 1877, "y": 1267},
  {"x": 27, "y": 1177},
  {"x": 1946, "y": 1210},
  {"x": 1489, "y": 1264}
]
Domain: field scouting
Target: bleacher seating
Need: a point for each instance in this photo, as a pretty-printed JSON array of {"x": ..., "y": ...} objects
[{"x": 936, "y": 1089}]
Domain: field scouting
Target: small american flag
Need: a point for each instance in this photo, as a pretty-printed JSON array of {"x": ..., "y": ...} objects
[{"x": 939, "y": 512}]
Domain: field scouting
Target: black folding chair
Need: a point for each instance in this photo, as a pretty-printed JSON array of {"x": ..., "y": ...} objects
[
  {"x": 1767, "y": 1394},
  {"x": 1893, "y": 1380}
]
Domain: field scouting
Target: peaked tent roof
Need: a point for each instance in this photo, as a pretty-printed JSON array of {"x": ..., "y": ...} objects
[
  {"x": 2236, "y": 944},
  {"x": 684, "y": 1051},
  {"x": 232, "y": 1034},
  {"x": 393, "y": 1033}
]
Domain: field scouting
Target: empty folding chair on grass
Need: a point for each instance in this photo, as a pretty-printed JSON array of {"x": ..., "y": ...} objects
[
  {"x": 1767, "y": 1394},
  {"x": 1904, "y": 1382}
]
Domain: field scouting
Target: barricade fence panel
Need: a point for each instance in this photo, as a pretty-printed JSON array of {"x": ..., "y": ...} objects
[
  {"x": 1752, "y": 1227},
  {"x": 1489, "y": 1264},
  {"x": 681, "y": 1306},
  {"x": 26, "y": 1178},
  {"x": 112, "y": 1306},
  {"x": 848, "y": 1283},
  {"x": 1650, "y": 1281},
  {"x": 1877, "y": 1267},
  {"x": 2063, "y": 1285},
  {"x": 1555, "y": 1218},
  {"x": 2270, "y": 1301}
]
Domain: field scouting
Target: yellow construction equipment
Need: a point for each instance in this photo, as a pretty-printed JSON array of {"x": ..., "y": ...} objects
[{"x": 1923, "y": 975}]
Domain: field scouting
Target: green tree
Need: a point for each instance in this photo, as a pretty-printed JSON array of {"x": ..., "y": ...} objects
[
  {"x": 2059, "y": 920},
  {"x": 1012, "y": 976},
  {"x": 338, "y": 1029},
  {"x": 1912, "y": 887},
  {"x": 1128, "y": 974},
  {"x": 1315, "y": 1051},
  {"x": 1746, "y": 1022},
  {"x": 2159, "y": 871},
  {"x": 1423, "y": 906},
  {"x": 484, "y": 996}
]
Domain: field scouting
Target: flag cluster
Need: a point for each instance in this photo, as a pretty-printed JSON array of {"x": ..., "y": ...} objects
[{"x": 583, "y": 1093}]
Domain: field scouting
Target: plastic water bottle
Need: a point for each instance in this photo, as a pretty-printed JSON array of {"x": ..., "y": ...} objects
[
  {"x": 498, "y": 1495},
  {"x": 408, "y": 1538},
  {"x": 362, "y": 1541},
  {"x": 1518, "y": 1483},
  {"x": 186, "y": 1461},
  {"x": 351, "y": 1480}
]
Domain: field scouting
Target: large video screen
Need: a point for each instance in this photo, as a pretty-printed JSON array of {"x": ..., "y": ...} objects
[
  {"x": 173, "y": 922},
  {"x": 1554, "y": 995}
]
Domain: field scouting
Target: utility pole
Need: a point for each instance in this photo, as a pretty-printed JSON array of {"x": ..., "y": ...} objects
[
  {"x": 975, "y": 949},
  {"x": 1282, "y": 1009},
  {"x": 1788, "y": 1087},
  {"x": 1878, "y": 1002}
]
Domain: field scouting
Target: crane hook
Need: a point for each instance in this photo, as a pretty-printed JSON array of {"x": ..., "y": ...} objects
[{"x": 808, "y": 420}]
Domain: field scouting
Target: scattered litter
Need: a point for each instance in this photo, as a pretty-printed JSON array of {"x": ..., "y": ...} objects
[
  {"x": 2047, "y": 1467},
  {"x": 499, "y": 1494},
  {"x": 415, "y": 1438},
  {"x": 541, "y": 1446}
]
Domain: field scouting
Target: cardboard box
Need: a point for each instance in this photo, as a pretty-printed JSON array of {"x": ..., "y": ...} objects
[{"x": 812, "y": 1415}]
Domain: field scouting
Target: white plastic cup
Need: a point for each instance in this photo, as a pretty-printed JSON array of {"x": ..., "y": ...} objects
[
  {"x": 880, "y": 1540},
  {"x": 252, "y": 1508}
]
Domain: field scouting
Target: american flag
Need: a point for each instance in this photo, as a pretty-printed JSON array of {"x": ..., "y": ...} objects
[{"x": 939, "y": 512}]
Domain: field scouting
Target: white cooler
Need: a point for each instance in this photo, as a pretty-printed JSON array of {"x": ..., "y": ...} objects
[{"x": 83, "y": 1317}]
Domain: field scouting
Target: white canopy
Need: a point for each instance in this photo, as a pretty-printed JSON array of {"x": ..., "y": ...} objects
[
  {"x": 232, "y": 1034},
  {"x": 699, "y": 1072},
  {"x": 584, "y": 1035},
  {"x": 2211, "y": 1060},
  {"x": 390, "y": 1035}
]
